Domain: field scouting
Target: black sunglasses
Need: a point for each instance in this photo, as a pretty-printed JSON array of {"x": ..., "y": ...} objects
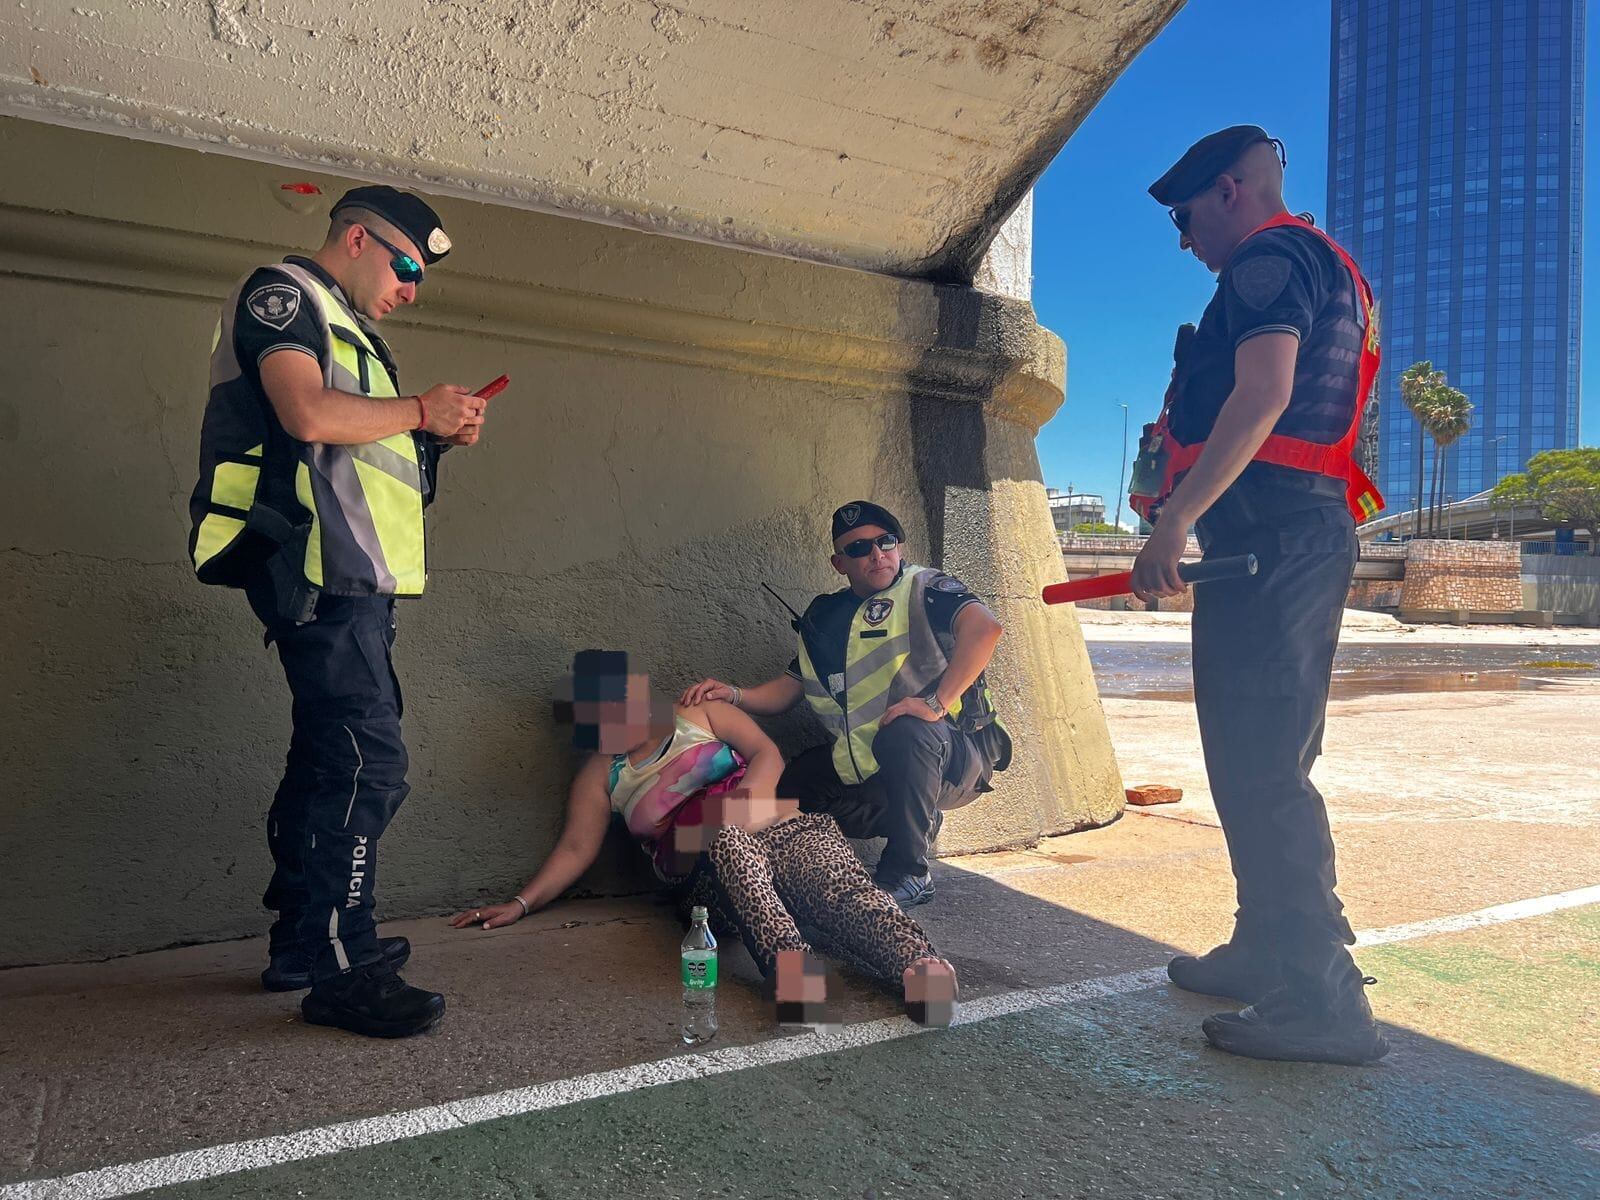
[
  {"x": 406, "y": 269},
  {"x": 862, "y": 547},
  {"x": 1181, "y": 218}
]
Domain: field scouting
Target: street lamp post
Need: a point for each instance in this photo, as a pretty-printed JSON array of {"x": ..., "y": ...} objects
[
  {"x": 1494, "y": 508},
  {"x": 1122, "y": 475}
]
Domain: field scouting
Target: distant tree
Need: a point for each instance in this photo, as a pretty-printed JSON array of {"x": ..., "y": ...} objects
[
  {"x": 1093, "y": 527},
  {"x": 1449, "y": 418},
  {"x": 1419, "y": 386},
  {"x": 1445, "y": 414},
  {"x": 1565, "y": 484}
]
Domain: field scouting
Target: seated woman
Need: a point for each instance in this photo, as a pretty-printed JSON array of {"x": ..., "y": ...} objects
[{"x": 695, "y": 787}]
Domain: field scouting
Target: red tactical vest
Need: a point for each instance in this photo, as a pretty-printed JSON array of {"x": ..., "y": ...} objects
[{"x": 1336, "y": 460}]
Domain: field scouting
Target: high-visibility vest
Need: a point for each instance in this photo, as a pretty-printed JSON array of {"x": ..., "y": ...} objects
[
  {"x": 892, "y": 653},
  {"x": 351, "y": 516},
  {"x": 1336, "y": 459}
]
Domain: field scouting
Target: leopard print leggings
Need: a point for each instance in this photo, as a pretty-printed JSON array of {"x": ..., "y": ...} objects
[{"x": 764, "y": 886}]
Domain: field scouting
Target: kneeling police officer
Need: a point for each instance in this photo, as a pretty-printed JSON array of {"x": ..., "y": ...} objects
[
  {"x": 314, "y": 474},
  {"x": 893, "y": 665}
]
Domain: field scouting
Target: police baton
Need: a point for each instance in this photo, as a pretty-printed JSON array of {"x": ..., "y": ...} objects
[{"x": 1120, "y": 584}]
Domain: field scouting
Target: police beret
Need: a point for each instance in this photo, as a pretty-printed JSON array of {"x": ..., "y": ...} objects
[
  {"x": 407, "y": 213},
  {"x": 1204, "y": 161},
  {"x": 864, "y": 512}
]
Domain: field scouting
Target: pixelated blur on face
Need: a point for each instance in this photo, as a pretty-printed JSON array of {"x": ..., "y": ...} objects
[
  {"x": 610, "y": 706},
  {"x": 872, "y": 573}
]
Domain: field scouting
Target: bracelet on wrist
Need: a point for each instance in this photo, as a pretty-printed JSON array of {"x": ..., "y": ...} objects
[
  {"x": 422, "y": 410},
  {"x": 738, "y": 695},
  {"x": 525, "y": 909}
]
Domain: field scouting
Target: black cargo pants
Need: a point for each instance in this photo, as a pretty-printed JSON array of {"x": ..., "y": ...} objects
[
  {"x": 1263, "y": 660},
  {"x": 344, "y": 779}
]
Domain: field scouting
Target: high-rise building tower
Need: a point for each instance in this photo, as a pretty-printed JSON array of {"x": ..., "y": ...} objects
[{"x": 1455, "y": 177}]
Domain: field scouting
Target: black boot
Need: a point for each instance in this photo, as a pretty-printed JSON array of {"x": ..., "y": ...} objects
[
  {"x": 1241, "y": 970},
  {"x": 290, "y": 970},
  {"x": 372, "y": 1000},
  {"x": 1300, "y": 1022}
]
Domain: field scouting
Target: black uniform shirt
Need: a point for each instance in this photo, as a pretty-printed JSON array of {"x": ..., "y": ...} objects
[
  {"x": 1283, "y": 280},
  {"x": 274, "y": 314},
  {"x": 832, "y": 614}
]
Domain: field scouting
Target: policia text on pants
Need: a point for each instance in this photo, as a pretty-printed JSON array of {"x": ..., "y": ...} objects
[
  {"x": 314, "y": 476},
  {"x": 1254, "y": 447},
  {"x": 893, "y": 667}
]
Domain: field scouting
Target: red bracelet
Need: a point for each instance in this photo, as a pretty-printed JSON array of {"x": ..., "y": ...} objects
[{"x": 422, "y": 424}]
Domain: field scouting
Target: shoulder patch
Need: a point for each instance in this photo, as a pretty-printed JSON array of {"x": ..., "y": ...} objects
[
  {"x": 1260, "y": 280},
  {"x": 274, "y": 304},
  {"x": 951, "y": 584}
]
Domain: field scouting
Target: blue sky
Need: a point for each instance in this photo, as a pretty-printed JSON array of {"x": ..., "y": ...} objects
[{"x": 1108, "y": 276}]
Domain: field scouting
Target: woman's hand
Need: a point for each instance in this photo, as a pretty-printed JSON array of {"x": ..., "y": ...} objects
[
  {"x": 493, "y": 917},
  {"x": 706, "y": 689}
]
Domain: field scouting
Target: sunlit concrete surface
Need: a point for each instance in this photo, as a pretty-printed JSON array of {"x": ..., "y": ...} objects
[
  {"x": 890, "y": 136},
  {"x": 1491, "y": 1090}
]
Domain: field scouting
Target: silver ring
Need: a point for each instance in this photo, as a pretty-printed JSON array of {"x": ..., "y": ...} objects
[{"x": 477, "y": 916}]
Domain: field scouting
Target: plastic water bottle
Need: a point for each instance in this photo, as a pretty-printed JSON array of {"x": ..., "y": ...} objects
[{"x": 699, "y": 963}]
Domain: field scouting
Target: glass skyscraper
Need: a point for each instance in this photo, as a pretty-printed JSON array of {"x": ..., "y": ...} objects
[{"x": 1455, "y": 178}]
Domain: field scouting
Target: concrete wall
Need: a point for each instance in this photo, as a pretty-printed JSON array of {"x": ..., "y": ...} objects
[
  {"x": 682, "y": 419},
  {"x": 1561, "y": 583}
]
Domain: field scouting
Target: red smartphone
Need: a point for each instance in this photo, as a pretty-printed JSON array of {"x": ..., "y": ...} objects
[{"x": 493, "y": 388}]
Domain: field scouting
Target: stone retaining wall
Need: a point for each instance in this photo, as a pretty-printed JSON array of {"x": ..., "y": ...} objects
[{"x": 1482, "y": 576}]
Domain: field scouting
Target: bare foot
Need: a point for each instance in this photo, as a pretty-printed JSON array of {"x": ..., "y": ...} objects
[{"x": 931, "y": 990}]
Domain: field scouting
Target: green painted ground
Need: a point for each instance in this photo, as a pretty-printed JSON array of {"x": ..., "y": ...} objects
[{"x": 1118, "y": 1099}]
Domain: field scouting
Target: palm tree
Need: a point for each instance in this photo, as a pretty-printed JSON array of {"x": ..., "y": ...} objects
[
  {"x": 1419, "y": 388},
  {"x": 1446, "y": 418}
]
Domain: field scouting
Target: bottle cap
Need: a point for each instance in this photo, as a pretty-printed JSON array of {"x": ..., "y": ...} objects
[{"x": 697, "y": 913}]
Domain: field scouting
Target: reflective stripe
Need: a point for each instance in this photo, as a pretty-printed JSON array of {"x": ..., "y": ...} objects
[
  {"x": 392, "y": 461},
  {"x": 339, "y": 955}
]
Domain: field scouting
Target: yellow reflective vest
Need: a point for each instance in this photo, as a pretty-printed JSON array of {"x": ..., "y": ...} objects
[
  {"x": 893, "y": 653},
  {"x": 350, "y": 516}
]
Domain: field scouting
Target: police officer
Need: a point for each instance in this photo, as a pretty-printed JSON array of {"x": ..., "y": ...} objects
[
  {"x": 314, "y": 473},
  {"x": 893, "y": 666},
  {"x": 1255, "y": 450}
]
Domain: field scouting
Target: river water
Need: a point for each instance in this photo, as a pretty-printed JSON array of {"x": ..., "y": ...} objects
[{"x": 1160, "y": 670}]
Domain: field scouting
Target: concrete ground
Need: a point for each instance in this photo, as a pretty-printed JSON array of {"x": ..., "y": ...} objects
[{"x": 1077, "y": 1073}]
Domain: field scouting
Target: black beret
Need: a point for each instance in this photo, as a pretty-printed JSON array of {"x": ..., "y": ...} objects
[
  {"x": 1204, "y": 161},
  {"x": 864, "y": 512},
  {"x": 407, "y": 213}
]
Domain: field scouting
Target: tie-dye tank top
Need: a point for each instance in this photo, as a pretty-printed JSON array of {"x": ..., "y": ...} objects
[{"x": 651, "y": 797}]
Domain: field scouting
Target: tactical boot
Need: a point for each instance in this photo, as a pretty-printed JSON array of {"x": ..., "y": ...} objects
[
  {"x": 290, "y": 970},
  {"x": 1298, "y": 1023},
  {"x": 1244, "y": 971},
  {"x": 372, "y": 1000}
]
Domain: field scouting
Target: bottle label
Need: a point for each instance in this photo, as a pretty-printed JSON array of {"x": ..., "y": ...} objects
[{"x": 699, "y": 968}]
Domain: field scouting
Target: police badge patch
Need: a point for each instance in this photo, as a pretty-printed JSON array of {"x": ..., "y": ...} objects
[
  {"x": 849, "y": 513},
  {"x": 950, "y": 584},
  {"x": 1260, "y": 281},
  {"x": 878, "y": 611},
  {"x": 274, "y": 304}
]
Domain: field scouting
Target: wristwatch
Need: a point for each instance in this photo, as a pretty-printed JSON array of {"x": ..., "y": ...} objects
[{"x": 934, "y": 705}]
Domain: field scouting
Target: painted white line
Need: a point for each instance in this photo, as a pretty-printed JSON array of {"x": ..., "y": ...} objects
[
  {"x": 1516, "y": 911},
  {"x": 107, "y": 1183}
]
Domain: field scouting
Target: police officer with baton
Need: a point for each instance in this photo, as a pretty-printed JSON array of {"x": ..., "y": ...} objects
[{"x": 1254, "y": 449}]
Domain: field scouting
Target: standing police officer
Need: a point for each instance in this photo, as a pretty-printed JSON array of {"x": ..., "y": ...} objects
[
  {"x": 1255, "y": 449},
  {"x": 893, "y": 666},
  {"x": 314, "y": 473}
]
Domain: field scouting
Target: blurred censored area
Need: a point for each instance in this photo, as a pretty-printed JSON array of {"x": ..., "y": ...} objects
[{"x": 772, "y": 876}]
